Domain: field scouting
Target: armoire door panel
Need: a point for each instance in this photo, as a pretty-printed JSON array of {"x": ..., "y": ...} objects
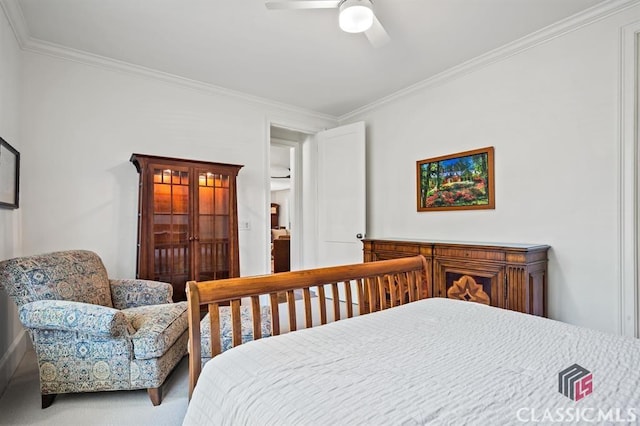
[{"x": 187, "y": 221}]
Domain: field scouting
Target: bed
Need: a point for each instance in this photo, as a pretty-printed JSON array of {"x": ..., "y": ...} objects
[{"x": 412, "y": 359}]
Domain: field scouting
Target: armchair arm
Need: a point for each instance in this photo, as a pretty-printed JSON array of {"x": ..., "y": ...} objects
[
  {"x": 64, "y": 315},
  {"x": 133, "y": 293}
]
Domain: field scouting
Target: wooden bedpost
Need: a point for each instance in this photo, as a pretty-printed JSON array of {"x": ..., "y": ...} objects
[{"x": 195, "y": 362}]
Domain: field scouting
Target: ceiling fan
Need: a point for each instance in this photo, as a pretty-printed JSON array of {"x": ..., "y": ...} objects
[{"x": 356, "y": 16}]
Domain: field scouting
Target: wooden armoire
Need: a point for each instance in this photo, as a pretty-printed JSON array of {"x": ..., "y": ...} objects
[{"x": 187, "y": 221}]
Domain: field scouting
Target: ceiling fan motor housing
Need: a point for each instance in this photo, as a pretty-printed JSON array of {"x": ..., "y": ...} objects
[{"x": 356, "y": 16}]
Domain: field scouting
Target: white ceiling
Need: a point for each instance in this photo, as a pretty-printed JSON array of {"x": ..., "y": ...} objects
[{"x": 296, "y": 57}]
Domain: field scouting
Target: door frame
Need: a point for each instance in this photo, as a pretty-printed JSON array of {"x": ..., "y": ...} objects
[
  {"x": 628, "y": 181},
  {"x": 304, "y": 166}
]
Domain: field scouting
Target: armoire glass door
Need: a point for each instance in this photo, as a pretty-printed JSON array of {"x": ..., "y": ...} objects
[
  {"x": 171, "y": 225},
  {"x": 212, "y": 237},
  {"x": 187, "y": 221}
]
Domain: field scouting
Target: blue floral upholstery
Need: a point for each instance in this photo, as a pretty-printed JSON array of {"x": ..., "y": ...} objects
[
  {"x": 226, "y": 331},
  {"x": 91, "y": 333},
  {"x": 157, "y": 327},
  {"x": 74, "y": 316},
  {"x": 77, "y": 276},
  {"x": 134, "y": 293}
]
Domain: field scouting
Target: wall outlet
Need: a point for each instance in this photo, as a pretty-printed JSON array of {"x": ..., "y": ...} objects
[{"x": 244, "y": 225}]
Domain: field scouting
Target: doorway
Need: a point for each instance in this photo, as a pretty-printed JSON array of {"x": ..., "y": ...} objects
[
  {"x": 285, "y": 198},
  {"x": 327, "y": 198}
]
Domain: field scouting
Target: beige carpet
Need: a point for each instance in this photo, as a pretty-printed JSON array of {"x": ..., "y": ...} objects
[{"x": 20, "y": 404}]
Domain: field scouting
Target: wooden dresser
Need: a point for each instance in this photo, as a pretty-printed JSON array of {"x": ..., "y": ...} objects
[{"x": 509, "y": 276}]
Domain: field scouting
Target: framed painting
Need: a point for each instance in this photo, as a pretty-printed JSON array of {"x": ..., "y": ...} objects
[
  {"x": 9, "y": 175},
  {"x": 461, "y": 181}
]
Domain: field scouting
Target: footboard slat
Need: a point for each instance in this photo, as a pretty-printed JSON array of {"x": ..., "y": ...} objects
[
  {"x": 412, "y": 287},
  {"x": 382, "y": 293},
  {"x": 214, "y": 326},
  {"x": 236, "y": 323},
  {"x": 378, "y": 285},
  {"x": 308, "y": 318},
  {"x": 372, "y": 293},
  {"x": 275, "y": 314},
  {"x": 291, "y": 302},
  {"x": 349, "y": 302},
  {"x": 336, "y": 301},
  {"x": 322, "y": 304},
  {"x": 256, "y": 317},
  {"x": 393, "y": 290},
  {"x": 362, "y": 303}
]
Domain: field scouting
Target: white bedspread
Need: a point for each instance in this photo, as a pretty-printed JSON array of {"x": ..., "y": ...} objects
[{"x": 435, "y": 361}]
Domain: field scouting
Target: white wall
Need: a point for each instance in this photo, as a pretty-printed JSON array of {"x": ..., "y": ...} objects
[
  {"x": 80, "y": 188},
  {"x": 551, "y": 114},
  {"x": 79, "y": 126},
  {"x": 12, "y": 338}
]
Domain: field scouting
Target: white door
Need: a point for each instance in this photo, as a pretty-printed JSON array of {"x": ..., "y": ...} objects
[{"x": 341, "y": 202}]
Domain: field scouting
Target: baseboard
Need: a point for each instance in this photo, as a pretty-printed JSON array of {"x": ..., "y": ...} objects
[{"x": 11, "y": 359}]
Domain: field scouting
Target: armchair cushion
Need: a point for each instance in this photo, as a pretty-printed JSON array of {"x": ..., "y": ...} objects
[
  {"x": 76, "y": 275},
  {"x": 94, "y": 320},
  {"x": 133, "y": 293},
  {"x": 156, "y": 327}
]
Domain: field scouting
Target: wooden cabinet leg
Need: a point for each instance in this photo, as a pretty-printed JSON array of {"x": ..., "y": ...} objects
[
  {"x": 155, "y": 394},
  {"x": 47, "y": 400}
]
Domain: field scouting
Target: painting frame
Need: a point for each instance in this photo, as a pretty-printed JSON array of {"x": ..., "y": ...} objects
[
  {"x": 460, "y": 181},
  {"x": 9, "y": 176}
]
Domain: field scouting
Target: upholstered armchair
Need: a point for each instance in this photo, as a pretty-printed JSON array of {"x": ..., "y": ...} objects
[{"x": 91, "y": 333}]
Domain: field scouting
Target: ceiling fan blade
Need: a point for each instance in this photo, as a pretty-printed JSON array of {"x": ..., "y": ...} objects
[
  {"x": 377, "y": 35},
  {"x": 302, "y": 4}
]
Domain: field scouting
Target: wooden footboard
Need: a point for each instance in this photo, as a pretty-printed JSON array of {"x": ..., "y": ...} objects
[{"x": 377, "y": 285}]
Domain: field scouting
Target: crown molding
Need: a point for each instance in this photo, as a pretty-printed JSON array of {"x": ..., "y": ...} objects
[
  {"x": 16, "y": 19},
  {"x": 13, "y": 12},
  {"x": 560, "y": 28},
  {"x": 63, "y": 52}
]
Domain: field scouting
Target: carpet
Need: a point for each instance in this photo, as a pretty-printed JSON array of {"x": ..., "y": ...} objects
[{"x": 20, "y": 403}]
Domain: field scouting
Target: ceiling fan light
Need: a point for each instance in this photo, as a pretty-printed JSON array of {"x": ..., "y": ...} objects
[{"x": 356, "y": 16}]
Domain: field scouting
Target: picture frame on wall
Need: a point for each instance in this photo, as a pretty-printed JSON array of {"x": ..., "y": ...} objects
[
  {"x": 460, "y": 181},
  {"x": 9, "y": 175}
]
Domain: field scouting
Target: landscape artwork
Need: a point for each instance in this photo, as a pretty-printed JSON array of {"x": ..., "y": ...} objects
[{"x": 461, "y": 181}]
